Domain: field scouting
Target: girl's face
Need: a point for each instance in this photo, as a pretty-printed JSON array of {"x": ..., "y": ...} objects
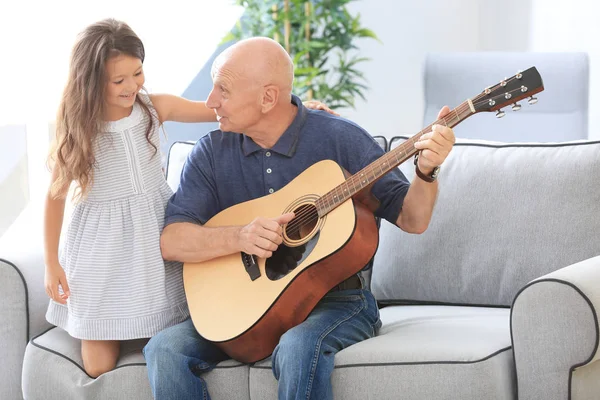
[{"x": 125, "y": 79}]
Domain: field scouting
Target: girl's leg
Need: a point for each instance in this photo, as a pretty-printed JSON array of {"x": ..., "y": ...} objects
[{"x": 99, "y": 356}]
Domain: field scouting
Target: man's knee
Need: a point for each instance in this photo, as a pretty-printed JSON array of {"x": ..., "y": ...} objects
[
  {"x": 157, "y": 347},
  {"x": 295, "y": 347}
]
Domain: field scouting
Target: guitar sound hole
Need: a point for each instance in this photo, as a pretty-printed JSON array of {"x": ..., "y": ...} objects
[{"x": 304, "y": 222}]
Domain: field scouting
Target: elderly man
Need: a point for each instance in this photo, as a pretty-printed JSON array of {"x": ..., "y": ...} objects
[{"x": 267, "y": 138}]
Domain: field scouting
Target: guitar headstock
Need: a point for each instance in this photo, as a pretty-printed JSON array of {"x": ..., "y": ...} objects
[{"x": 509, "y": 91}]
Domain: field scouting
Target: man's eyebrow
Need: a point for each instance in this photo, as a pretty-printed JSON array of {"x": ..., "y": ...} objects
[{"x": 219, "y": 82}]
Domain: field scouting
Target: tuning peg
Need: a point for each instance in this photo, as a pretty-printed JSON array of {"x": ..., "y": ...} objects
[
  {"x": 500, "y": 114},
  {"x": 532, "y": 100},
  {"x": 516, "y": 107}
]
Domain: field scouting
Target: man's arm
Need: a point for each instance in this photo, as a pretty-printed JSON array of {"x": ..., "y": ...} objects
[
  {"x": 418, "y": 206},
  {"x": 188, "y": 242},
  {"x": 420, "y": 199}
]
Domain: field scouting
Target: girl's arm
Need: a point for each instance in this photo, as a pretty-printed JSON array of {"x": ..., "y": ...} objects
[
  {"x": 175, "y": 108},
  {"x": 53, "y": 220}
]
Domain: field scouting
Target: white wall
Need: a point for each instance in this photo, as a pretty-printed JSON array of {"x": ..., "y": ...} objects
[
  {"x": 36, "y": 37},
  {"x": 14, "y": 188},
  {"x": 411, "y": 29},
  {"x": 558, "y": 25},
  {"x": 181, "y": 34}
]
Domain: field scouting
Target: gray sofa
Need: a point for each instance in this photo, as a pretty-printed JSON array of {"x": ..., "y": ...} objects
[{"x": 498, "y": 299}]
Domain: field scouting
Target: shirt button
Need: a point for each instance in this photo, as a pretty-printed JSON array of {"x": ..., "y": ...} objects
[
  {"x": 271, "y": 190},
  {"x": 268, "y": 154},
  {"x": 269, "y": 170}
]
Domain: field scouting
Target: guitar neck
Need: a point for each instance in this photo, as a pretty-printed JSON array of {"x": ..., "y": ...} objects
[{"x": 390, "y": 160}]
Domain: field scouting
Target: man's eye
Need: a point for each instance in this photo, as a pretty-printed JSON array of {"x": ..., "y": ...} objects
[
  {"x": 139, "y": 73},
  {"x": 118, "y": 82}
]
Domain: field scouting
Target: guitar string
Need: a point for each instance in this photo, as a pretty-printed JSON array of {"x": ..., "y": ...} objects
[{"x": 308, "y": 214}]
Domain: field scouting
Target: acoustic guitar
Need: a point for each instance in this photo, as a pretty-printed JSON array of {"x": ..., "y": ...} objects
[{"x": 244, "y": 304}]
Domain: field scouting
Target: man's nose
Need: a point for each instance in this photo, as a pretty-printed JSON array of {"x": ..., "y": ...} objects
[{"x": 211, "y": 100}]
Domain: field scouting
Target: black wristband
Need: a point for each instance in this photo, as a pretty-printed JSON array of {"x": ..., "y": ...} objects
[
  {"x": 427, "y": 178},
  {"x": 424, "y": 177}
]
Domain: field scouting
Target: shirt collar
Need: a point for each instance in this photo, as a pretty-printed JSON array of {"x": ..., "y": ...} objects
[{"x": 286, "y": 145}]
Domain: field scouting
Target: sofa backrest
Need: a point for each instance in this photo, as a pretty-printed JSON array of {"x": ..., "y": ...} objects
[
  {"x": 505, "y": 214},
  {"x": 178, "y": 153}
]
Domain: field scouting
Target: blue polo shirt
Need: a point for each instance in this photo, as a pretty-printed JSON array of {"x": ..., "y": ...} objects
[{"x": 226, "y": 168}]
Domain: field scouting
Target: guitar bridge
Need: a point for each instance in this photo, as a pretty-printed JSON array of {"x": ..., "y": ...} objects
[{"x": 251, "y": 266}]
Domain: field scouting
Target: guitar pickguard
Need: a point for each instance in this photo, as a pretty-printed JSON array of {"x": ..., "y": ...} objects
[{"x": 285, "y": 259}]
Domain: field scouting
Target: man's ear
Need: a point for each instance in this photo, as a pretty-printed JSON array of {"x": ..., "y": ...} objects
[{"x": 270, "y": 98}]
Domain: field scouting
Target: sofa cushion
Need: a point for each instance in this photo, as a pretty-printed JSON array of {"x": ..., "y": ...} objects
[
  {"x": 14, "y": 330},
  {"x": 53, "y": 369},
  {"x": 421, "y": 352},
  {"x": 505, "y": 215}
]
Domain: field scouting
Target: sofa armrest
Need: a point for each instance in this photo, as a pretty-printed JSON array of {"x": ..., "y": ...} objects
[
  {"x": 23, "y": 300},
  {"x": 555, "y": 334}
]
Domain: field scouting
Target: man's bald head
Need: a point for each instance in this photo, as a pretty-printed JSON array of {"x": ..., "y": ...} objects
[
  {"x": 261, "y": 61},
  {"x": 252, "y": 89}
]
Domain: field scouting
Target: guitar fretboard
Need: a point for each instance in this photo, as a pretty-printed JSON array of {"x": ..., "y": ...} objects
[{"x": 390, "y": 160}]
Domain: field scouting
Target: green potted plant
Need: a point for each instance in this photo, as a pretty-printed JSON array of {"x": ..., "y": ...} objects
[{"x": 320, "y": 36}]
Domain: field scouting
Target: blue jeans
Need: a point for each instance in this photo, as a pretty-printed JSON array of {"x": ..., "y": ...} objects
[{"x": 302, "y": 361}]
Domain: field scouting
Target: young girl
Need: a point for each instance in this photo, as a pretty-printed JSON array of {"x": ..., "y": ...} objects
[{"x": 110, "y": 282}]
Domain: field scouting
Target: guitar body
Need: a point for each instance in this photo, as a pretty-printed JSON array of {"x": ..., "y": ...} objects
[
  {"x": 244, "y": 313},
  {"x": 244, "y": 304}
]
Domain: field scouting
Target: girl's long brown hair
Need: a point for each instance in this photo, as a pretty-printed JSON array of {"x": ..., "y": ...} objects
[{"x": 81, "y": 110}]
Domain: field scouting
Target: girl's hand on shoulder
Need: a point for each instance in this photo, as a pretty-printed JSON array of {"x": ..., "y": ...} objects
[
  {"x": 317, "y": 105},
  {"x": 55, "y": 277}
]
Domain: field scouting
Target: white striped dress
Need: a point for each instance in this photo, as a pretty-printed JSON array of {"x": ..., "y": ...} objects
[{"x": 121, "y": 288}]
